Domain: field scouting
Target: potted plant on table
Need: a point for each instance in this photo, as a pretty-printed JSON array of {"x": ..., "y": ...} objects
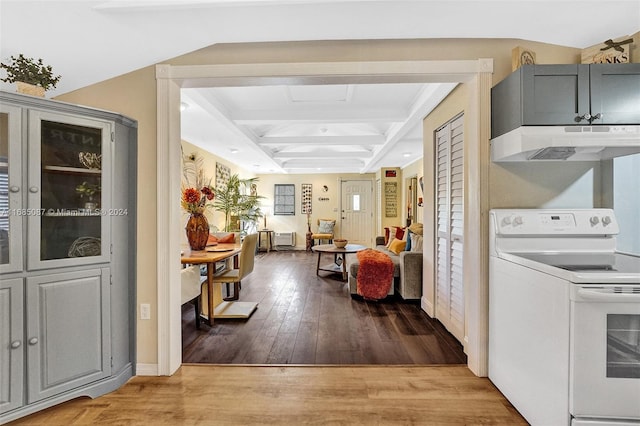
[{"x": 31, "y": 76}]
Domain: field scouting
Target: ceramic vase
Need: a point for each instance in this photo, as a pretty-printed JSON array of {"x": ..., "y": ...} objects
[{"x": 197, "y": 231}]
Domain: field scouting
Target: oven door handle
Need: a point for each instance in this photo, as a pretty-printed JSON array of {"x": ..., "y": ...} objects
[{"x": 607, "y": 296}]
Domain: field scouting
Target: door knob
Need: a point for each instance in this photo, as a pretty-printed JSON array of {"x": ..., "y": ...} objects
[
  {"x": 33, "y": 189},
  {"x": 33, "y": 340},
  {"x": 14, "y": 188},
  {"x": 15, "y": 344}
]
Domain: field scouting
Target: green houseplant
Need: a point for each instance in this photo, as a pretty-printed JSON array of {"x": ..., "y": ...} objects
[
  {"x": 33, "y": 72},
  {"x": 236, "y": 200},
  {"x": 87, "y": 191}
]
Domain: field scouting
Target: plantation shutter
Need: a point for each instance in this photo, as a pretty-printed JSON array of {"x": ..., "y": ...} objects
[{"x": 450, "y": 226}]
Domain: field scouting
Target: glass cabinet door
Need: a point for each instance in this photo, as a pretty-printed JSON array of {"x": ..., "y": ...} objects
[
  {"x": 68, "y": 190},
  {"x": 11, "y": 208}
]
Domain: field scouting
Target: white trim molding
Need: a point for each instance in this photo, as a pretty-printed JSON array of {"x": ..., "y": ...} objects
[
  {"x": 147, "y": 370},
  {"x": 476, "y": 73}
]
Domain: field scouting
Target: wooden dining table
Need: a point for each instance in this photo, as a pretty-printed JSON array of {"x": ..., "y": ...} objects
[{"x": 210, "y": 256}]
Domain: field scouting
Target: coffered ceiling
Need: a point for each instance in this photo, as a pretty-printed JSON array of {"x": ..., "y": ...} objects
[{"x": 340, "y": 128}]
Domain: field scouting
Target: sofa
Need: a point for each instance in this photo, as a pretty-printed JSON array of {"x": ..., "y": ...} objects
[{"x": 407, "y": 273}]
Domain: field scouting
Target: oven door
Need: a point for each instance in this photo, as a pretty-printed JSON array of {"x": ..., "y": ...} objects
[{"x": 605, "y": 351}]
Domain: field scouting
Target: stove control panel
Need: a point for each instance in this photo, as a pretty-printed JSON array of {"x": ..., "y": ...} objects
[{"x": 555, "y": 222}]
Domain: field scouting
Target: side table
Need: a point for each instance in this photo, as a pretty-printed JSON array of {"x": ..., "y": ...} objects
[{"x": 269, "y": 240}]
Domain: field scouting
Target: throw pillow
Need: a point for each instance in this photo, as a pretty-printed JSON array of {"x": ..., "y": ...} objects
[
  {"x": 229, "y": 238},
  {"x": 416, "y": 228},
  {"x": 395, "y": 232},
  {"x": 386, "y": 236},
  {"x": 326, "y": 226},
  {"x": 408, "y": 238},
  {"x": 397, "y": 246},
  {"x": 212, "y": 240},
  {"x": 416, "y": 243}
]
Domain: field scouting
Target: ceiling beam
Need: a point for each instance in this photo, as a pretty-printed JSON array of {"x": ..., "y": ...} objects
[
  {"x": 430, "y": 97},
  {"x": 315, "y": 163},
  {"x": 322, "y": 140},
  {"x": 332, "y": 114},
  {"x": 220, "y": 114},
  {"x": 328, "y": 155}
]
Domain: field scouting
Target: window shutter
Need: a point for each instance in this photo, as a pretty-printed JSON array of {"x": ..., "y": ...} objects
[{"x": 450, "y": 224}]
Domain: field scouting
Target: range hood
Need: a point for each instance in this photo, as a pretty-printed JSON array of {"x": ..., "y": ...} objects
[{"x": 566, "y": 143}]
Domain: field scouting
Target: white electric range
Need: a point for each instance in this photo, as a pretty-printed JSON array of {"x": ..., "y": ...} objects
[{"x": 564, "y": 317}]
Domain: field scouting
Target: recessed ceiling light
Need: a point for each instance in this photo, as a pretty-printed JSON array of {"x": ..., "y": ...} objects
[
  {"x": 233, "y": 151},
  {"x": 256, "y": 165},
  {"x": 183, "y": 106},
  {"x": 406, "y": 154}
]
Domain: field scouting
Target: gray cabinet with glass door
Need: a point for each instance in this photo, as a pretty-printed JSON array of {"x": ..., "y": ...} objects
[{"x": 67, "y": 246}]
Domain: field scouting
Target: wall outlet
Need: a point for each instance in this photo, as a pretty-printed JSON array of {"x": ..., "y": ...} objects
[{"x": 145, "y": 311}]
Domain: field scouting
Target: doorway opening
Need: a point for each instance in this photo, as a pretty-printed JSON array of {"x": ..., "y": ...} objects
[{"x": 476, "y": 74}]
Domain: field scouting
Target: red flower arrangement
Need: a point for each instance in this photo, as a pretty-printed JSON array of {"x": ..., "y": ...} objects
[{"x": 195, "y": 201}]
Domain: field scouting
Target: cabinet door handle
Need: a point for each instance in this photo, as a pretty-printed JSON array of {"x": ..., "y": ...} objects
[
  {"x": 15, "y": 344},
  {"x": 14, "y": 188},
  {"x": 33, "y": 189},
  {"x": 33, "y": 340},
  {"x": 598, "y": 116},
  {"x": 585, "y": 116}
]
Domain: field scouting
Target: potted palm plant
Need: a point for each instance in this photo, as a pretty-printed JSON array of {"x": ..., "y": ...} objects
[
  {"x": 238, "y": 202},
  {"x": 31, "y": 76}
]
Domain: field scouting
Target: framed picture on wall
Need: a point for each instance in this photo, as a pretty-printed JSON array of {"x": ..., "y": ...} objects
[{"x": 306, "y": 198}]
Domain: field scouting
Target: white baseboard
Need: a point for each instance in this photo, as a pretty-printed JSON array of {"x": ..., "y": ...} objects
[
  {"x": 427, "y": 306},
  {"x": 146, "y": 369}
]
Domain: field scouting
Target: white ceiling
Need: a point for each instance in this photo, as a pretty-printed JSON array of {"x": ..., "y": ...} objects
[{"x": 291, "y": 129}]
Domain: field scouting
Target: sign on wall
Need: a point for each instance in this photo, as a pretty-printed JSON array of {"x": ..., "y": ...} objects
[
  {"x": 614, "y": 51},
  {"x": 391, "y": 199}
]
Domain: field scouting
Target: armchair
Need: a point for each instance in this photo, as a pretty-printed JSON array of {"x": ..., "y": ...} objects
[{"x": 325, "y": 230}]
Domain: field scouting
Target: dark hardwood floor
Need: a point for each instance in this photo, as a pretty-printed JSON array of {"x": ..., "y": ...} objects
[{"x": 306, "y": 319}]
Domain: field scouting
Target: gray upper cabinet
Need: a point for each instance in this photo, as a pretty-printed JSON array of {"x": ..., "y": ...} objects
[
  {"x": 539, "y": 95},
  {"x": 67, "y": 252}
]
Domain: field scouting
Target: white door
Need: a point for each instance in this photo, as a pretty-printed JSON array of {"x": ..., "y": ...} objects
[
  {"x": 356, "y": 218},
  {"x": 450, "y": 215}
]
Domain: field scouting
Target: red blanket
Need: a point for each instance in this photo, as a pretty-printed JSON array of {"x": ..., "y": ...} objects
[{"x": 375, "y": 274}]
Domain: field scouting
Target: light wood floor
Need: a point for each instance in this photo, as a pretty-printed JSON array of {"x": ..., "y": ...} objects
[{"x": 294, "y": 395}]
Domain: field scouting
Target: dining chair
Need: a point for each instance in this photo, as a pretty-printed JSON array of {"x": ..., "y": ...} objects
[
  {"x": 191, "y": 288},
  {"x": 245, "y": 267}
]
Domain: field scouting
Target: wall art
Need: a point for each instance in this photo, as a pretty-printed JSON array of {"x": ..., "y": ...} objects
[{"x": 306, "y": 198}]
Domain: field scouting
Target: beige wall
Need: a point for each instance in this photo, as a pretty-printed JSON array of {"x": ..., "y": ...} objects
[
  {"x": 134, "y": 95},
  {"x": 326, "y": 209}
]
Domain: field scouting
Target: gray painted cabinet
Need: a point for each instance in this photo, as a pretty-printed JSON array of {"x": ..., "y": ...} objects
[
  {"x": 67, "y": 252},
  {"x": 577, "y": 94}
]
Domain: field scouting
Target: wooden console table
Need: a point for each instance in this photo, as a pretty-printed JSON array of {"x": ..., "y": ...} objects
[{"x": 197, "y": 257}]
